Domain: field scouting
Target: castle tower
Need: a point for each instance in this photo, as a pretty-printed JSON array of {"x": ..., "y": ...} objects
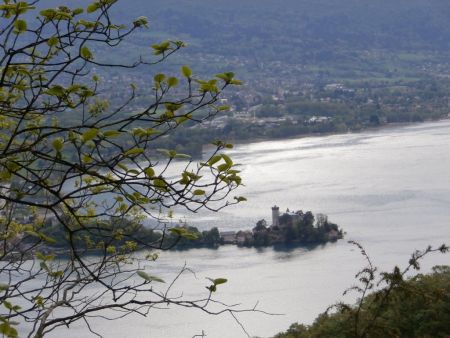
[{"x": 275, "y": 216}]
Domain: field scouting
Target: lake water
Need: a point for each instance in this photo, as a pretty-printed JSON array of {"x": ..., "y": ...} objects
[{"x": 389, "y": 189}]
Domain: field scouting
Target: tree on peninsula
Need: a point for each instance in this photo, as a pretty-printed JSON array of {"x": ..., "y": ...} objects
[{"x": 74, "y": 165}]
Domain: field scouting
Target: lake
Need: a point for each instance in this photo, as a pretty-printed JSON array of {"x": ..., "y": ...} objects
[{"x": 389, "y": 189}]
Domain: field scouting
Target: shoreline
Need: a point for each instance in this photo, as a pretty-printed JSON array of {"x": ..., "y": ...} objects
[{"x": 237, "y": 142}]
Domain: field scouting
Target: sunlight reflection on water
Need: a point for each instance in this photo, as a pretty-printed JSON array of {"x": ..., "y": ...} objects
[{"x": 389, "y": 189}]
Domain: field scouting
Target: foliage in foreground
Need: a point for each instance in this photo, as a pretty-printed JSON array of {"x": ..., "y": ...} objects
[
  {"x": 100, "y": 164},
  {"x": 414, "y": 307}
]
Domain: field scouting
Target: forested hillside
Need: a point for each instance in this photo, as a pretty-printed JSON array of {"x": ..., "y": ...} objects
[
  {"x": 416, "y": 308},
  {"x": 297, "y": 31},
  {"x": 277, "y": 25}
]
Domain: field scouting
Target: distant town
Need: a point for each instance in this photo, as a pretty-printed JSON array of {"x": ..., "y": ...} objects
[{"x": 300, "y": 103}]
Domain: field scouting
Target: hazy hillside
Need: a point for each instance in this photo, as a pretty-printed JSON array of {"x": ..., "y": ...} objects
[
  {"x": 297, "y": 28},
  {"x": 274, "y": 27}
]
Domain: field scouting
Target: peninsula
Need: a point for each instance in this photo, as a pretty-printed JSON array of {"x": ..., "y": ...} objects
[{"x": 294, "y": 228}]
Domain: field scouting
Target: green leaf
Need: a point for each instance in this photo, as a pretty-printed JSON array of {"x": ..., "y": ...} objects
[
  {"x": 122, "y": 166},
  {"x": 86, "y": 53},
  {"x": 53, "y": 41},
  {"x": 7, "y": 305},
  {"x": 133, "y": 172},
  {"x": 134, "y": 151},
  {"x": 149, "y": 172},
  {"x": 58, "y": 144},
  {"x": 160, "y": 184},
  {"x": 198, "y": 192},
  {"x": 159, "y": 77},
  {"x": 77, "y": 11},
  {"x": 47, "y": 239},
  {"x": 182, "y": 156},
  {"x": 236, "y": 82},
  {"x": 4, "y": 287},
  {"x": 209, "y": 86},
  {"x": 7, "y": 330},
  {"x": 140, "y": 132},
  {"x": 223, "y": 167},
  {"x": 20, "y": 26},
  {"x": 93, "y": 7},
  {"x": 86, "y": 159},
  {"x": 166, "y": 152},
  {"x": 184, "y": 179},
  {"x": 44, "y": 266},
  {"x": 227, "y": 77},
  {"x": 212, "y": 288},
  {"x": 87, "y": 24},
  {"x": 184, "y": 118},
  {"x": 219, "y": 281},
  {"x": 141, "y": 21},
  {"x": 223, "y": 108},
  {"x": 173, "y": 106},
  {"x": 213, "y": 160},
  {"x": 32, "y": 233},
  {"x": 111, "y": 133},
  {"x": 149, "y": 278},
  {"x": 48, "y": 13},
  {"x": 42, "y": 257},
  {"x": 227, "y": 159},
  {"x": 172, "y": 81},
  {"x": 56, "y": 274},
  {"x": 56, "y": 90},
  {"x": 187, "y": 72},
  {"x": 161, "y": 48},
  {"x": 89, "y": 134}
]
